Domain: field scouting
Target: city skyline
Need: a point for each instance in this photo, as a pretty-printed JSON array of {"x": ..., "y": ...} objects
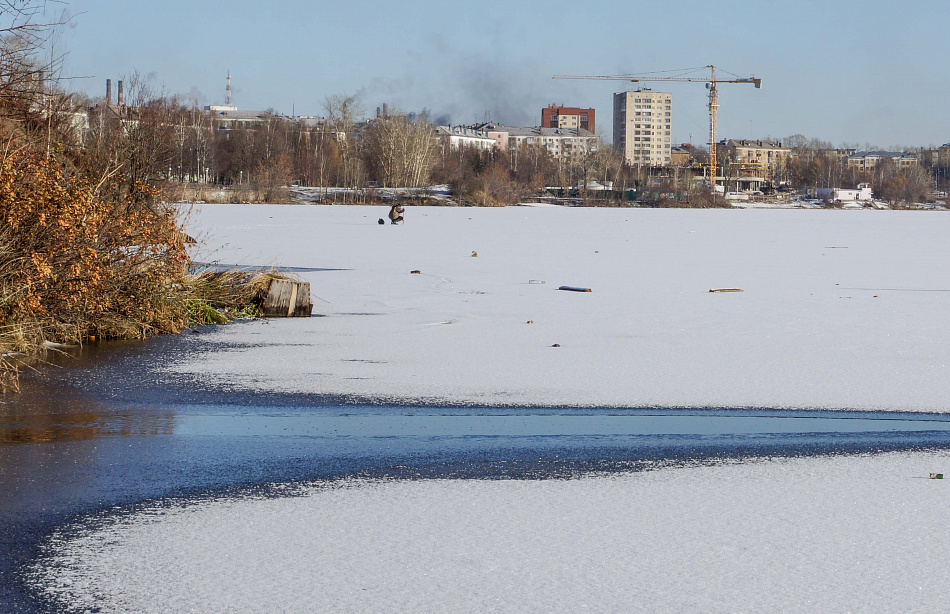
[{"x": 847, "y": 72}]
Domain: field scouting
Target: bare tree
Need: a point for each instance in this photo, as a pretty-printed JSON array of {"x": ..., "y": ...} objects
[
  {"x": 343, "y": 114},
  {"x": 400, "y": 152}
]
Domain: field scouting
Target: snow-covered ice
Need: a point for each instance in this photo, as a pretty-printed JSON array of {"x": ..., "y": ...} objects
[
  {"x": 840, "y": 534},
  {"x": 840, "y": 309}
]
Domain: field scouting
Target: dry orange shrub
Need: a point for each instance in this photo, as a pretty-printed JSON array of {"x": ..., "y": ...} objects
[{"x": 73, "y": 263}]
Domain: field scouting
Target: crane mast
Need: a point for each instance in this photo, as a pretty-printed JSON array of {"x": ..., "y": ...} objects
[
  {"x": 713, "y": 109},
  {"x": 711, "y": 83}
]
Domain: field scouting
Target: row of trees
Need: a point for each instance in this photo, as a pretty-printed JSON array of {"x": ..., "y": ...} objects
[{"x": 157, "y": 139}]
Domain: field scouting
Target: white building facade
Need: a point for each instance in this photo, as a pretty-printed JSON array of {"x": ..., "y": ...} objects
[
  {"x": 863, "y": 193},
  {"x": 462, "y": 136},
  {"x": 642, "y": 127}
]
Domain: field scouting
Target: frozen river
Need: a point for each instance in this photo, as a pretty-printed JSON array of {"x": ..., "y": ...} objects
[
  {"x": 103, "y": 437},
  {"x": 463, "y": 439}
]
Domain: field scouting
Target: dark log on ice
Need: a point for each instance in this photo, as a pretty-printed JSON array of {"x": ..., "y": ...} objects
[
  {"x": 574, "y": 289},
  {"x": 288, "y": 299}
]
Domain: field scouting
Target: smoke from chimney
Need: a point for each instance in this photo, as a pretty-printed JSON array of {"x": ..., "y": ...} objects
[
  {"x": 108, "y": 91},
  {"x": 121, "y": 100}
]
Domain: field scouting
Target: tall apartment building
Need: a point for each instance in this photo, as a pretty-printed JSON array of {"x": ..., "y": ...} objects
[
  {"x": 642, "y": 122},
  {"x": 572, "y": 118}
]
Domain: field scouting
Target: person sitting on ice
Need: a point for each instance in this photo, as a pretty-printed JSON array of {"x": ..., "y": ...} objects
[{"x": 395, "y": 214}]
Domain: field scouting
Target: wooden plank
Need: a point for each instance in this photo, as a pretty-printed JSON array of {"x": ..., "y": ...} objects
[{"x": 287, "y": 299}]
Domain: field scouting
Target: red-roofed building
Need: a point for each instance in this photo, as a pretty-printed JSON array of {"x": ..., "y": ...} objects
[{"x": 559, "y": 116}]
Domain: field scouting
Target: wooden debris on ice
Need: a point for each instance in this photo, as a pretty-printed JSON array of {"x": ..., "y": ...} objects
[{"x": 288, "y": 299}]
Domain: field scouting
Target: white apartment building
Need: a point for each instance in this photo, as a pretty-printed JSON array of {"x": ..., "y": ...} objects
[
  {"x": 463, "y": 136},
  {"x": 642, "y": 121}
]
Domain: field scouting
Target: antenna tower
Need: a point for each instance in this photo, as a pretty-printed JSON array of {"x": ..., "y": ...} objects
[{"x": 227, "y": 91}]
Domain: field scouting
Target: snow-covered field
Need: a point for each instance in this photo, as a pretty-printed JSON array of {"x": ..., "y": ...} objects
[{"x": 839, "y": 309}]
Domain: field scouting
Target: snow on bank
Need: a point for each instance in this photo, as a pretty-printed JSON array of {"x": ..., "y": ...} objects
[
  {"x": 856, "y": 534},
  {"x": 840, "y": 309}
]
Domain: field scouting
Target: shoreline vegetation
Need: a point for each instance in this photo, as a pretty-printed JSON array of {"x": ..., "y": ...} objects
[{"x": 89, "y": 248}]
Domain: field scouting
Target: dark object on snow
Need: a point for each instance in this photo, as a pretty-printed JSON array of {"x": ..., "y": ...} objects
[
  {"x": 556, "y": 345},
  {"x": 474, "y": 254},
  {"x": 381, "y": 221},
  {"x": 395, "y": 214},
  {"x": 288, "y": 299},
  {"x": 416, "y": 272},
  {"x": 574, "y": 289},
  {"x": 726, "y": 290}
]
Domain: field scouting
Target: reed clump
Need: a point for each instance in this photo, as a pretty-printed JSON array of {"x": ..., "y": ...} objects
[{"x": 82, "y": 260}]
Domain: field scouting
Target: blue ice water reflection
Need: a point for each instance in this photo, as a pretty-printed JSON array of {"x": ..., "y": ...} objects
[{"x": 394, "y": 422}]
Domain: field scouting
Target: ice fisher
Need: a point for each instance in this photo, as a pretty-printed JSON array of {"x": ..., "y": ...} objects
[{"x": 395, "y": 214}]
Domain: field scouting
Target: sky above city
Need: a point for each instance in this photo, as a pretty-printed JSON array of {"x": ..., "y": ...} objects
[{"x": 853, "y": 73}]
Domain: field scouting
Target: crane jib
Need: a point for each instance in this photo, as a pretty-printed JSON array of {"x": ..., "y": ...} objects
[{"x": 713, "y": 98}]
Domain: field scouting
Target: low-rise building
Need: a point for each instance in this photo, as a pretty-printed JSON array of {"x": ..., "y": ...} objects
[
  {"x": 465, "y": 136},
  {"x": 559, "y": 142},
  {"x": 862, "y": 193},
  {"x": 756, "y": 161},
  {"x": 227, "y": 117},
  {"x": 680, "y": 156},
  {"x": 867, "y": 160}
]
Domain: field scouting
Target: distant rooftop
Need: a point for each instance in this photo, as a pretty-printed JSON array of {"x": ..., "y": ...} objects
[
  {"x": 533, "y": 131},
  {"x": 880, "y": 154}
]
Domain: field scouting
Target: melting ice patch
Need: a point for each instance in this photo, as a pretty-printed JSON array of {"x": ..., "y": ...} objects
[{"x": 860, "y": 533}]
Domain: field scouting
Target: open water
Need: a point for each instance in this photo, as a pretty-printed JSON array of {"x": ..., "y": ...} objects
[{"x": 104, "y": 432}]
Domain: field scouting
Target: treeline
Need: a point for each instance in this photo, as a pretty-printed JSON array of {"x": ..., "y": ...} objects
[
  {"x": 815, "y": 164},
  {"x": 162, "y": 141}
]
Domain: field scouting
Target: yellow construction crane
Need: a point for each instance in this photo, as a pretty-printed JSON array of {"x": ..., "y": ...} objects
[{"x": 711, "y": 83}]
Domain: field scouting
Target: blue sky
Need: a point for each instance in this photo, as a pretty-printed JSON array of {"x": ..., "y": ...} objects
[{"x": 869, "y": 72}]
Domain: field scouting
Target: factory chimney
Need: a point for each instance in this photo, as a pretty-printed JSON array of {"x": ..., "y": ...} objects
[
  {"x": 121, "y": 99},
  {"x": 108, "y": 91}
]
